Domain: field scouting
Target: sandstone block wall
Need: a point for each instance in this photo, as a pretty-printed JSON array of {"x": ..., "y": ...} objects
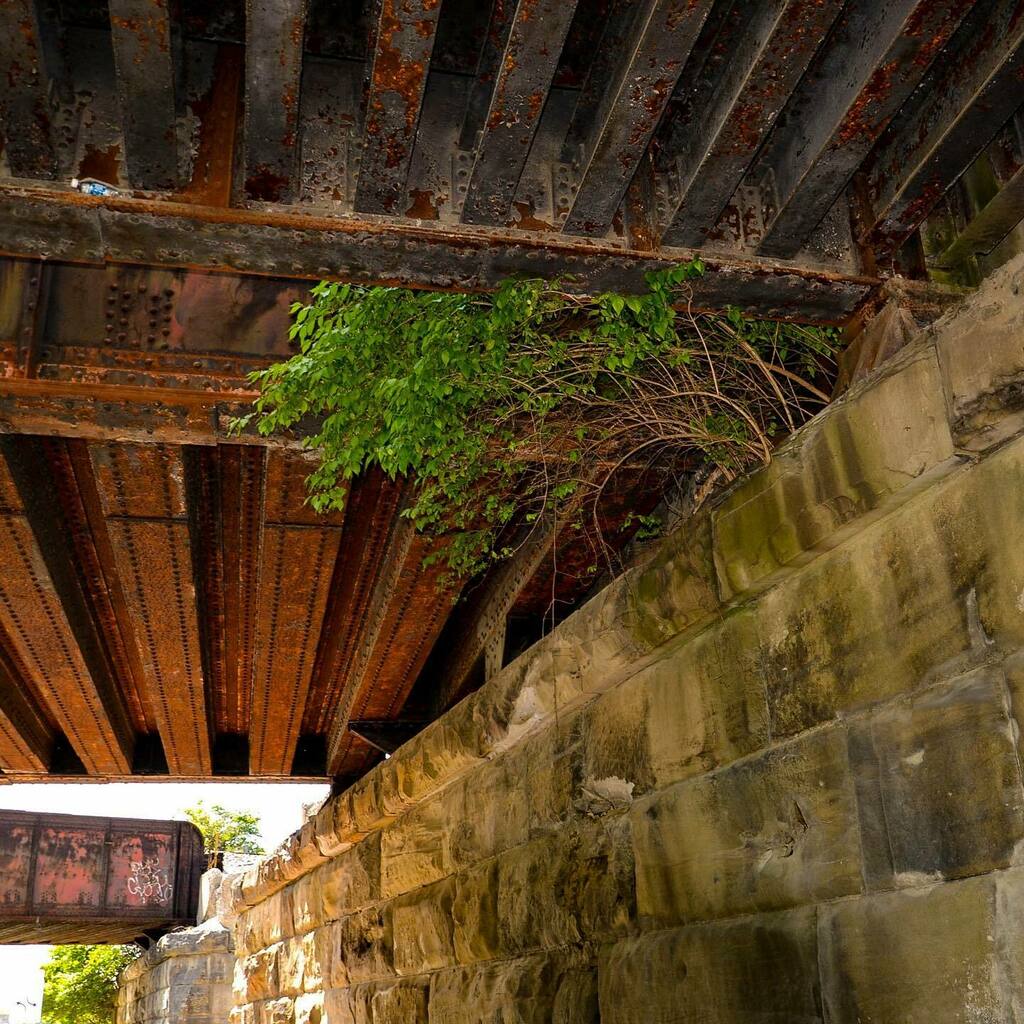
[{"x": 774, "y": 774}]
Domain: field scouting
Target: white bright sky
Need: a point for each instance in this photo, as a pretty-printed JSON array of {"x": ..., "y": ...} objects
[{"x": 279, "y": 808}]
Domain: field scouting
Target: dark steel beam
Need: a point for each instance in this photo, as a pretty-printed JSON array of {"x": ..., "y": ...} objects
[
  {"x": 144, "y": 61},
  {"x": 961, "y": 104},
  {"x": 387, "y": 736},
  {"x": 875, "y": 56},
  {"x": 614, "y": 37},
  {"x": 76, "y": 228},
  {"x": 26, "y": 108},
  {"x": 274, "y": 35},
  {"x": 487, "y": 69},
  {"x": 1000, "y": 215},
  {"x": 527, "y": 68},
  {"x": 663, "y": 34},
  {"x": 400, "y": 55},
  {"x": 766, "y": 48},
  {"x": 409, "y": 606},
  {"x": 45, "y": 612},
  {"x": 485, "y": 625}
]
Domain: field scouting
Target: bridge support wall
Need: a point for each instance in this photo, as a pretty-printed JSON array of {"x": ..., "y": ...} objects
[
  {"x": 186, "y": 977},
  {"x": 775, "y": 772}
]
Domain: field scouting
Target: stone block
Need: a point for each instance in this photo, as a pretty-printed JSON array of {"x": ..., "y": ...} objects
[
  {"x": 338, "y": 1007},
  {"x": 402, "y": 1002},
  {"x": 938, "y": 783},
  {"x": 298, "y": 965},
  {"x": 259, "y": 972},
  {"x": 777, "y": 830},
  {"x": 307, "y": 904},
  {"x": 571, "y": 885},
  {"x": 279, "y": 1011},
  {"x": 865, "y": 623},
  {"x": 761, "y": 968},
  {"x": 477, "y": 930},
  {"x": 879, "y": 444},
  {"x": 350, "y": 880},
  {"x": 525, "y": 991},
  {"x": 364, "y": 946},
  {"x": 553, "y": 771},
  {"x": 266, "y": 923},
  {"x": 676, "y": 590},
  {"x": 706, "y": 701},
  {"x": 413, "y": 850},
  {"x": 982, "y": 359},
  {"x": 421, "y": 927},
  {"x": 309, "y": 1009},
  {"x": 950, "y": 952},
  {"x": 487, "y": 811}
]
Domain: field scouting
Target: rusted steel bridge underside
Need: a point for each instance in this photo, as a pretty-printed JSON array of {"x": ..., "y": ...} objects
[{"x": 169, "y": 607}]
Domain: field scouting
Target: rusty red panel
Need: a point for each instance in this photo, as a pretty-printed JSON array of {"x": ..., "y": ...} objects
[
  {"x": 32, "y": 617},
  {"x": 296, "y": 569},
  {"x": 69, "y": 878},
  {"x": 143, "y": 495},
  {"x": 141, "y": 481}
]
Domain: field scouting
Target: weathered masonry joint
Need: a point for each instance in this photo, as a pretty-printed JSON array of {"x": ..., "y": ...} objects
[{"x": 773, "y": 771}]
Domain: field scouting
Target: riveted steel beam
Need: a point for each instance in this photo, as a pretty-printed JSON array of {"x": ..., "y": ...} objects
[
  {"x": 409, "y": 605},
  {"x": 45, "y": 613},
  {"x": 878, "y": 51},
  {"x": 26, "y": 737},
  {"x": 143, "y": 492},
  {"x": 401, "y": 48},
  {"x": 488, "y": 66},
  {"x": 534, "y": 44},
  {"x": 84, "y": 229},
  {"x": 296, "y": 562},
  {"x": 26, "y": 107},
  {"x": 144, "y": 60},
  {"x": 663, "y": 34},
  {"x": 960, "y": 106},
  {"x": 274, "y": 35},
  {"x": 765, "y": 49}
]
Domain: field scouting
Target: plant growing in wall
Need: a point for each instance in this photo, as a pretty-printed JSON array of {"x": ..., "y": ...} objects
[{"x": 513, "y": 408}]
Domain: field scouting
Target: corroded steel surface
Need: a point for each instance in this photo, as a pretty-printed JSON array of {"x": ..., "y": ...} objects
[{"x": 67, "y": 878}]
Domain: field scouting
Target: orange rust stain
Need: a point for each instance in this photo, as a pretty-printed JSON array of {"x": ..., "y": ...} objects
[
  {"x": 100, "y": 163},
  {"x": 217, "y": 112},
  {"x": 423, "y": 207},
  {"x": 526, "y": 221}
]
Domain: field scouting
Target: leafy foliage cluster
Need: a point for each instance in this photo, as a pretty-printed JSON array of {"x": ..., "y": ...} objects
[
  {"x": 225, "y": 831},
  {"x": 80, "y": 983},
  {"x": 513, "y": 408}
]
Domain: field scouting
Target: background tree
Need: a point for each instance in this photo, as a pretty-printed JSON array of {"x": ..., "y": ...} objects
[
  {"x": 225, "y": 831},
  {"x": 80, "y": 983}
]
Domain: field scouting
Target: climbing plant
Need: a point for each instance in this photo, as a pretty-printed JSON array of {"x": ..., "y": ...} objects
[{"x": 509, "y": 409}]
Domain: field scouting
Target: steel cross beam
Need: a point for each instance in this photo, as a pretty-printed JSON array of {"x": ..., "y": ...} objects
[{"x": 67, "y": 226}]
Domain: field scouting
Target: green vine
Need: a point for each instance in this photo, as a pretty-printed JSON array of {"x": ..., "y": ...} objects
[{"x": 510, "y": 409}]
